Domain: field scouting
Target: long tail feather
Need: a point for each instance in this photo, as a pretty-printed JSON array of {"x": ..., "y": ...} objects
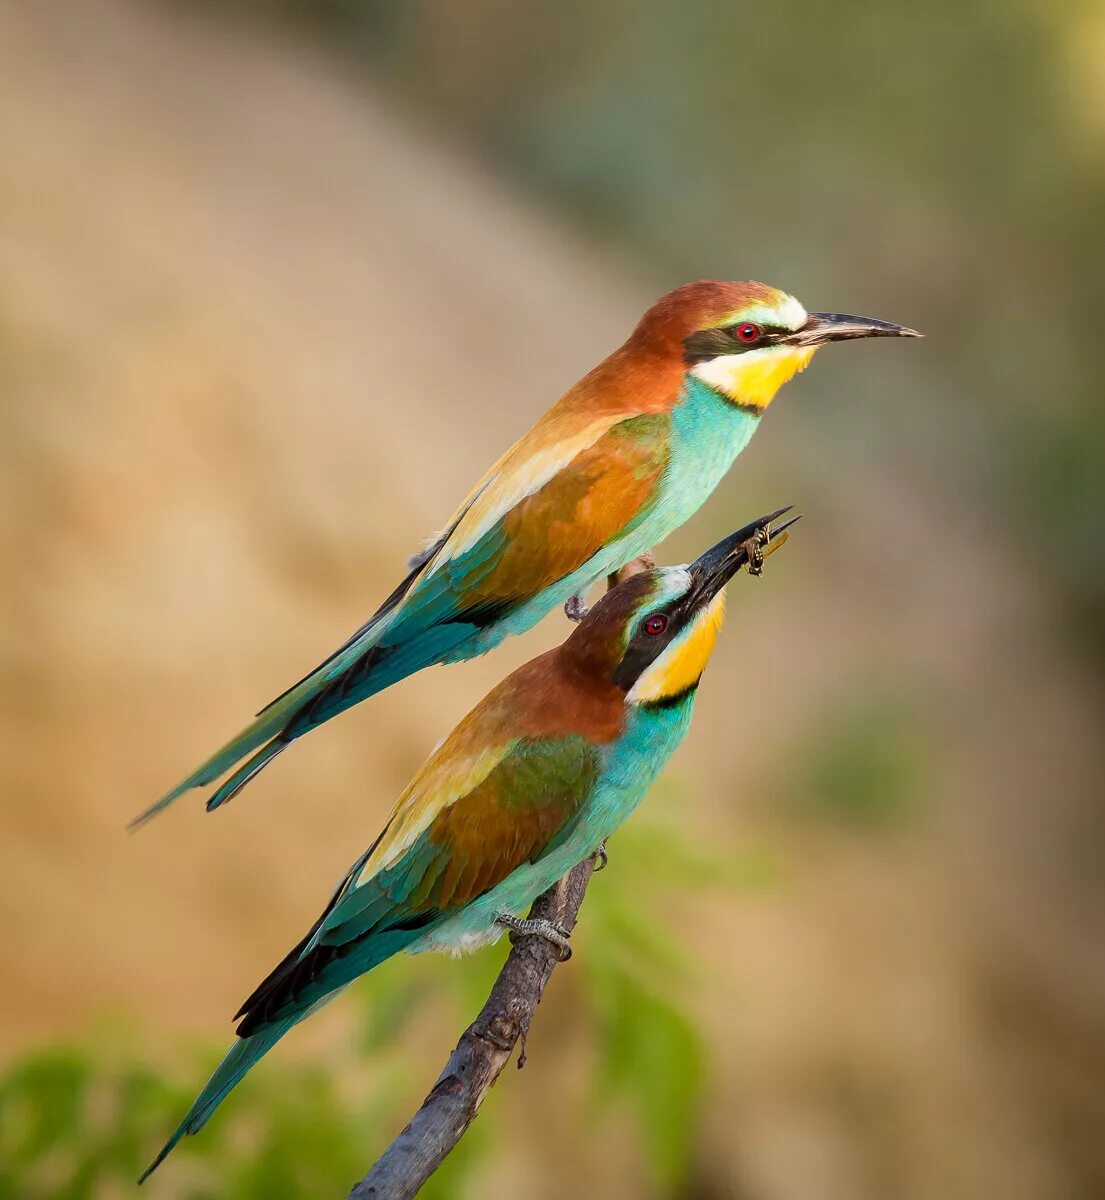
[
  {"x": 248, "y": 1050},
  {"x": 268, "y": 724},
  {"x": 244, "y": 1054},
  {"x": 250, "y": 768},
  {"x": 351, "y": 674},
  {"x": 262, "y": 729}
]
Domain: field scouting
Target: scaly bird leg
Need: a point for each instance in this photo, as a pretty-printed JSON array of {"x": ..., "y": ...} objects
[
  {"x": 601, "y": 858},
  {"x": 575, "y": 609},
  {"x": 537, "y": 927}
]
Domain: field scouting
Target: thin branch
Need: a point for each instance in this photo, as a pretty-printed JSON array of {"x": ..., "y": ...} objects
[
  {"x": 480, "y": 1055},
  {"x": 486, "y": 1045}
]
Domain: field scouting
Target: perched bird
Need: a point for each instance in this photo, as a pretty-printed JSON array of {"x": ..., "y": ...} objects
[
  {"x": 529, "y": 784},
  {"x": 621, "y": 460}
]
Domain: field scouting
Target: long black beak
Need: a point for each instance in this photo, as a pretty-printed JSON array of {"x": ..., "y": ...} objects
[
  {"x": 711, "y": 571},
  {"x": 838, "y": 327}
]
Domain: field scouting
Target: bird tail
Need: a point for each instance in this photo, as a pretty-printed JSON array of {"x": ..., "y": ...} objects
[
  {"x": 242, "y": 1056},
  {"x": 362, "y": 666},
  {"x": 237, "y": 1061},
  {"x": 250, "y": 1047},
  {"x": 263, "y": 735},
  {"x": 264, "y": 732},
  {"x": 251, "y": 767}
]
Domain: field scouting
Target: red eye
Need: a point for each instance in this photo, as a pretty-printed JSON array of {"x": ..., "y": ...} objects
[
  {"x": 656, "y": 625},
  {"x": 749, "y": 333}
]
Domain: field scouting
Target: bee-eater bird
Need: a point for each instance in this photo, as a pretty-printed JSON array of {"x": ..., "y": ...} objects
[
  {"x": 618, "y": 463},
  {"x": 529, "y": 784}
]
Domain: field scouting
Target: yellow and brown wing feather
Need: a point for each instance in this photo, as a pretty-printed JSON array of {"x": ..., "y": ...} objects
[
  {"x": 549, "y": 532},
  {"x": 463, "y": 849},
  {"x": 627, "y": 384},
  {"x": 510, "y": 542}
]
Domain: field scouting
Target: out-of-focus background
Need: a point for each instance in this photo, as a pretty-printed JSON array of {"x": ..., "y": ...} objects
[{"x": 852, "y": 945}]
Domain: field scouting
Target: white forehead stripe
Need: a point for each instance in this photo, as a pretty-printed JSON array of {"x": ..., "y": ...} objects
[
  {"x": 673, "y": 582},
  {"x": 788, "y": 313},
  {"x": 793, "y": 315}
]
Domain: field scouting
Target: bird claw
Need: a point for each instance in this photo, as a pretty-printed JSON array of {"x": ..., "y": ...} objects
[
  {"x": 575, "y": 608},
  {"x": 549, "y": 931},
  {"x": 599, "y": 859}
]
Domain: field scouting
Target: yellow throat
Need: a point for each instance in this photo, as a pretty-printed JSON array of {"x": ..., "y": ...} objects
[
  {"x": 681, "y": 664},
  {"x": 753, "y": 378}
]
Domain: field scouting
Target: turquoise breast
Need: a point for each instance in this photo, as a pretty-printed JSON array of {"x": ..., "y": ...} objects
[{"x": 708, "y": 432}]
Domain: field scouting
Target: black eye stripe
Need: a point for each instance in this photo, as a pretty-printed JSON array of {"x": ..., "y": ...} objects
[
  {"x": 645, "y": 648},
  {"x": 713, "y": 343}
]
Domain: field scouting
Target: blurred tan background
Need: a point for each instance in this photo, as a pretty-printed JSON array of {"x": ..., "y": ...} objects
[{"x": 274, "y": 291}]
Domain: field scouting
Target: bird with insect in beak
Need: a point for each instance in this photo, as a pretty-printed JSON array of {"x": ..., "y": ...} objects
[
  {"x": 529, "y": 784},
  {"x": 619, "y": 462}
]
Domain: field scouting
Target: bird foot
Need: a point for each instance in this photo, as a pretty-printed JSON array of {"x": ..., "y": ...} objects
[
  {"x": 599, "y": 859},
  {"x": 575, "y": 609},
  {"x": 537, "y": 927}
]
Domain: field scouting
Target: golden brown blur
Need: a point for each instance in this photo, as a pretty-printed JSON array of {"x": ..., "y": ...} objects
[{"x": 274, "y": 290}]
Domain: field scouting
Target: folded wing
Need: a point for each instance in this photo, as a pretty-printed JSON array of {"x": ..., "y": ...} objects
[
  {"x": 532, "y": 522},
  {"x": 438, "y": 853}
]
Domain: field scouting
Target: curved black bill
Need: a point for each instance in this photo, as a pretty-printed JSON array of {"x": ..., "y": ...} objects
[
  {"x": 839, "y": 327},
  {"x": 711, "y": 571}
]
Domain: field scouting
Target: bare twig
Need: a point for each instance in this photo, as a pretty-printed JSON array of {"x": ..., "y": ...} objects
[
  {"x": 480, "y": 1055},
  {"x": 486, "y": 1045}
]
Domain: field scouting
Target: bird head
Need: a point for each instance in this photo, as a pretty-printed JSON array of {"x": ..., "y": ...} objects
[
  {"x": 653, "y": 634},
  {"x": 745, "y": 340}
]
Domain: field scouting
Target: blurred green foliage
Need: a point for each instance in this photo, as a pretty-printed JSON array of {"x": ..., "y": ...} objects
[
  {"x": 80, "y": 1122},
  {"x": 861, "y": 764}
]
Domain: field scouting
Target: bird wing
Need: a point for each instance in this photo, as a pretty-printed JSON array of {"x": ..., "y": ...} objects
[
  {"x": 526, "y": 466},
  {"x": 483, "y": 572},
  {"x": 533, "y": 460},
  {"x": 561, "y": 494},
  {"x": 539, "y": 521},
  {"x": 460, "y": 829},
  {"x": 540, "y": 512}
]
